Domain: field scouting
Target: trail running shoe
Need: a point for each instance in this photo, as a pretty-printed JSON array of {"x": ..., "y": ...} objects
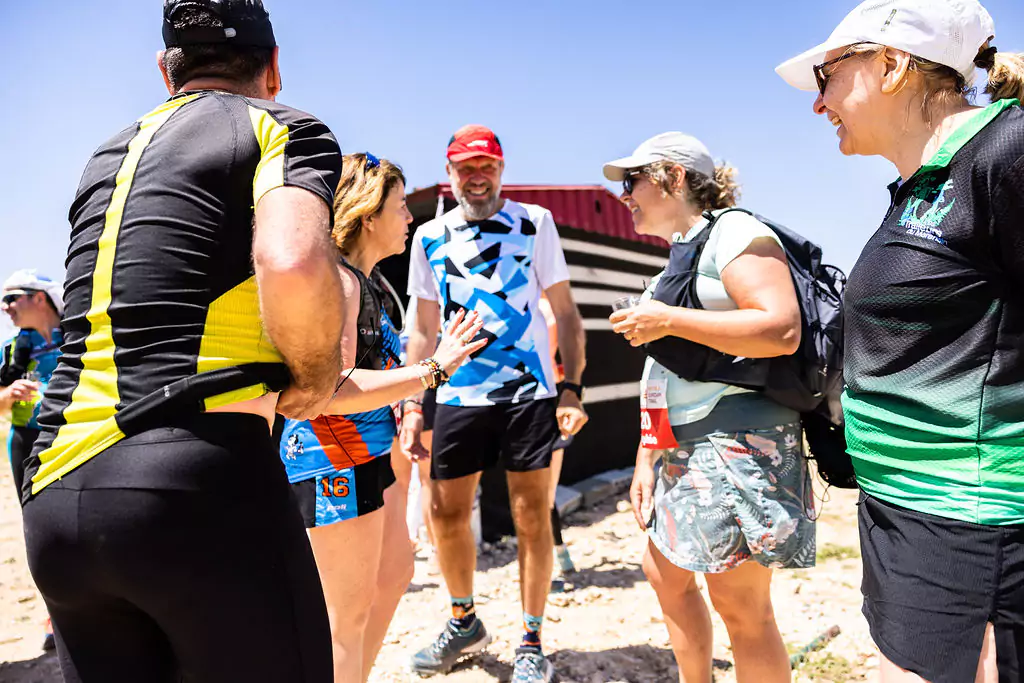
[
  {"x": 532, "y": 666},
  {"x": 449, "y": 647}
]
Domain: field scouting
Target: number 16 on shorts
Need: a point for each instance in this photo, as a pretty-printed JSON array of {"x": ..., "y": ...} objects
[{"x": 655, "y": 429}]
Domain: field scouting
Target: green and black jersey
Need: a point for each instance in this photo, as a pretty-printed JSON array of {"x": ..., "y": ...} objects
[
  {"x": 935, "y": 332},
  {"x": 162, "y": 316}
]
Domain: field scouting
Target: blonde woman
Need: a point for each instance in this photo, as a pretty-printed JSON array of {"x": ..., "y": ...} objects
[
  {"x": 732, "y": 497},
  {"x": 339, "y": 464},
  {"x": 934, "y": 319}
]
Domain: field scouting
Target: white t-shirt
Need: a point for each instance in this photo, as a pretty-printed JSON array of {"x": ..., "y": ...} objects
[
  {"x": 732, "y": 235},
  {"x": 497, "y": 267}
]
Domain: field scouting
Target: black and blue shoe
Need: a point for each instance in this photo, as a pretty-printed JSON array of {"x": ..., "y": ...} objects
[{"x": 451, "y": 646}]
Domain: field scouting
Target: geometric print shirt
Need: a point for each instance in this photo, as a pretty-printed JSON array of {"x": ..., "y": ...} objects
[{"x": 497, "y": 267}]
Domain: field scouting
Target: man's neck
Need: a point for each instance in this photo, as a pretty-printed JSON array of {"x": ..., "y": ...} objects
[{"x": 221, "y": 85}]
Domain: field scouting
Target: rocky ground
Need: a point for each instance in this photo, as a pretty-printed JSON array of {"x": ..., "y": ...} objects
[{"x": 607, "y": 629}]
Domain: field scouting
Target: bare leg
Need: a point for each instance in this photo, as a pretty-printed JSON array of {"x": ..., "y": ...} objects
[
  {"x": 556, "y": 472},
  {"x": 348, "y": 557},
  {"x": 450, "y": 511},
  {"x": 742, "y": 597},
  {"x": 686, "y": 615},
  {"x": 424, "y": 473},
  {"x": 529, "y": 494},
  {"x": 987, "y": 672},
  {"x": 393, "y": 574}
]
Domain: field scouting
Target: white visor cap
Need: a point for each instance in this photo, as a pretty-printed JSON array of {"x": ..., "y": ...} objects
[
  {"x": 948, "y": 32},
  {"x": 679, "y": 148}
]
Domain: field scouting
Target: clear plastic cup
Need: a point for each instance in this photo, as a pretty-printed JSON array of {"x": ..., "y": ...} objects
[{"x": 625, "y": 302}]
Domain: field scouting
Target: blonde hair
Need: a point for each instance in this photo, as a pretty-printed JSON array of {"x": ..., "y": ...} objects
[
  {"x": 943, "y": 86},
  {"x": 704, "y": 192},
  {"x": 361, "y": 194}
]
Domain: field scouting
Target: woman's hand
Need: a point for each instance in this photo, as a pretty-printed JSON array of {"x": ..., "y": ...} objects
[
  {"x": 644, "y": 323},
  {"x": 409, "y": 436},
  {"x": 457, "y": 343},
  {"x": 641, "y": 491}
]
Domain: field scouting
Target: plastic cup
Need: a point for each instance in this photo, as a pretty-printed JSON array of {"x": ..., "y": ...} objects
[{"x": 625, "y": 302}]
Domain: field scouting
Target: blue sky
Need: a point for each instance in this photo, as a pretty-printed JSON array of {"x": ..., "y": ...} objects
[{"x": 567, "y": 85}]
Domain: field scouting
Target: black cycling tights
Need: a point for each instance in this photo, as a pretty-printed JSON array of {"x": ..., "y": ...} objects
[{"x": 209, "y": 585}]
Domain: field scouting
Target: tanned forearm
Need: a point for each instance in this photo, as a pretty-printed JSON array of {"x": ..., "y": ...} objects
[
  {"x": 299, "y": 285},
  {"x": 747, "y": 333},
  {"x": 423, "y": 335},
  {"x": 367, "y": 390},
  {"x": 572, "y": 345}
]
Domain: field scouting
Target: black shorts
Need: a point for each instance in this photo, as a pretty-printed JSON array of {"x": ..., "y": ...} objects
[
  {"x": 469, "y": 439},
  {"x": 932, "y": 584},
  {"x": 346, "y": 494},
  {"x": 20, "y": 444},
  {"x": 429, "y": 409},
  {"x": 179, "y": 554}
]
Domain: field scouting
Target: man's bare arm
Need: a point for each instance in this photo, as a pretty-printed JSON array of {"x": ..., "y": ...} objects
[{"x": 300, "y": 295}]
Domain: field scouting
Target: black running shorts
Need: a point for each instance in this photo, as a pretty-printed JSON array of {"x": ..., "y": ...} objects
[
  {"x": 345, "y": 494},
  {"x": 178, "y": 554},
  {"x": 932, "y": 584},
  {"x": 470, "y": 439}
]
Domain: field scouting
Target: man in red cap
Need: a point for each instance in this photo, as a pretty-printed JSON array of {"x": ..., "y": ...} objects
[{"x": 496, "y": 257}]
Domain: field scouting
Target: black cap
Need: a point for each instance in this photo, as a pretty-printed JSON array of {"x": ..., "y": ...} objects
[{"x": 245, "y": 22}]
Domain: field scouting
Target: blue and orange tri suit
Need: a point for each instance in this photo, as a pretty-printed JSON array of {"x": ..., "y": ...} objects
[{"x": 340, "y": 465}]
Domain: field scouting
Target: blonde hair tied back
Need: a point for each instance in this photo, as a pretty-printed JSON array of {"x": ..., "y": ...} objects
[
  {"x": 706, "y": 193},
  {"x": 1005, "y": 76},
  {"x": 361, "y": 194}
]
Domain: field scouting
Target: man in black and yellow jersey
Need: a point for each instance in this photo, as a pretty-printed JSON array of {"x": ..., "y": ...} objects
[{"x": 202, "y": 294}]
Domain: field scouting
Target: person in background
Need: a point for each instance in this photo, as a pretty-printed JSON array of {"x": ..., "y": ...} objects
[
  {"x": 34, "y": 303},
  {"x": 934, "y": 316},
  {"x": 339, "y": 464},
  {"x": 732, "y": 498},
  {"x": 496, "y": 257},
  {"x": 565, "y": 567},
  {"x": 202, "y": 297}
]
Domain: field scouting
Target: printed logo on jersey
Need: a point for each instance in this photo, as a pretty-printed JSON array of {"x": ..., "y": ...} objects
[{"x": 931, "y": 196}]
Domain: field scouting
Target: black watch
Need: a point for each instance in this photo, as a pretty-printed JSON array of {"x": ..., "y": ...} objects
[{"x": 571, "y": 386}]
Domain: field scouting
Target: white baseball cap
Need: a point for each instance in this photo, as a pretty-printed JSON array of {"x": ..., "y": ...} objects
[
  {"x": 679, "y": 148},
  {"x": 948, "y": 32},
  {"x": 29, "y": 280}
]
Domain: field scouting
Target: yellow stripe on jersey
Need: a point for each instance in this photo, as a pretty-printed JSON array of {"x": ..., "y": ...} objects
[
  {"x": 90, "y": 425},
  {"x": 273, "y": 137},
  {"x": 234, "y": 335}
]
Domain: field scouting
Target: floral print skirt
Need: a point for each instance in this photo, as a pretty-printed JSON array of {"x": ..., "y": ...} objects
[{"x": 728, "y": 497}]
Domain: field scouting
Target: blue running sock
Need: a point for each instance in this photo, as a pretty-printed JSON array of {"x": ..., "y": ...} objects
[
  {"x": 531, "y": 630},
  {"x": 463, "y": 613}
]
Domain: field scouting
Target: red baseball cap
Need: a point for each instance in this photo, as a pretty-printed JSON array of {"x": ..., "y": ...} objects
[{"x": 474, "y": 141}]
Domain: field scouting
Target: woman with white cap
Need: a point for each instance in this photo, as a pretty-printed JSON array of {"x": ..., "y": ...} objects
[
  {"x": 935, "y": 333},
  {"x": 733, "y": 484}
]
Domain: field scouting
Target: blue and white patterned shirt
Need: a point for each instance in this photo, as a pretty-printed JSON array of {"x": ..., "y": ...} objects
[{"x": 497, "y": 267}]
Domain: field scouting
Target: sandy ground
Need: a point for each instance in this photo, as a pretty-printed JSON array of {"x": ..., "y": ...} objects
[{"x": 608, "y": 629}]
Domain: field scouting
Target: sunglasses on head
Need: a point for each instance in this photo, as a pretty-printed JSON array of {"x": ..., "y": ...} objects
[{"x": 629, "y": 182}]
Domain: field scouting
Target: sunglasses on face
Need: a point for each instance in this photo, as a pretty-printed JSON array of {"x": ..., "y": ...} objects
[
  {"x": 629, "y": 182},
  {"x": 821, "y": 76},
  {"x": 9, "y": 299}
]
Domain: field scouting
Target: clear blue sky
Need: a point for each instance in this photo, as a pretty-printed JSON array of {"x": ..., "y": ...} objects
[{"x": 567, "y": 85}]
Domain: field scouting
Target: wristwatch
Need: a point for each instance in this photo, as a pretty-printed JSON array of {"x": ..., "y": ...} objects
[{"x": 571, "y": 386}]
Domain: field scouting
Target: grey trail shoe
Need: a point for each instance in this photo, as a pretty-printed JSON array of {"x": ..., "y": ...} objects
[
  {"x": 440, "y": 656},
  {"x": 532, "y": 666}
]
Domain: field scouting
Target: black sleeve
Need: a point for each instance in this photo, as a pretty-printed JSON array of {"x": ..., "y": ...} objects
[
  {"x": 297, "y": 150},
  {"x": 1008, "y": 224}
]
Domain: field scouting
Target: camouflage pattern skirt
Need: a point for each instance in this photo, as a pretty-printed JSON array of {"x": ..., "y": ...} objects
[{"x": 727, "y": 497}]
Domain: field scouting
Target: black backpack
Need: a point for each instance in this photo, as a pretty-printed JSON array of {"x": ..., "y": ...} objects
[{"x": 809, "y": 381}]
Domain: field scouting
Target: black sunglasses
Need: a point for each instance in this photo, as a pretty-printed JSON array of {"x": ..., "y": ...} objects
[
  {"x": 629, "y": 182},
  {"x": 9, "y": 299},
  {"x": 819, "y": 70}
]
